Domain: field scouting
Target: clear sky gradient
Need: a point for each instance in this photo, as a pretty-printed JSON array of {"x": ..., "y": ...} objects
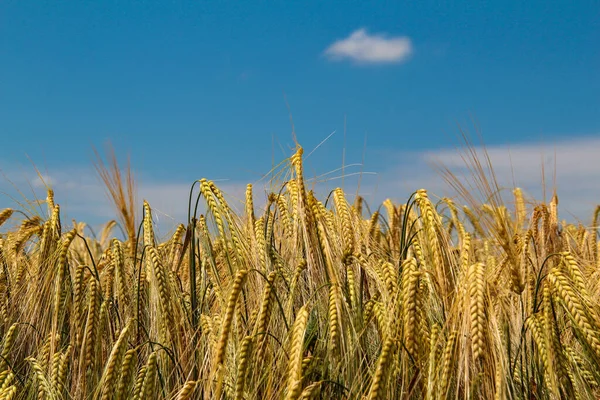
[{"x": 196, "y": 88}]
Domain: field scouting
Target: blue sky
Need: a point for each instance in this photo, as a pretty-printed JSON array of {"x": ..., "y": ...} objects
[{"x": 199, "y": 89}]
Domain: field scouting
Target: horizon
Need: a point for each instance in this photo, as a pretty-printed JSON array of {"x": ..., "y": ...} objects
[{"x": 505, "y": 164}]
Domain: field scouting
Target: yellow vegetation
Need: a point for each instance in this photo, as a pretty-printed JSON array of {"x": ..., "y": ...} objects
[{"x": 302, "y": 300}]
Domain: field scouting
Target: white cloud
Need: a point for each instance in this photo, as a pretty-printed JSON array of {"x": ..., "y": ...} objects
[
  {"x": 82, "y": 196},
  {"x": 41, "y": 181},
  {"x": 363, "y": 47},
  {"x": 571, "y": 165}
]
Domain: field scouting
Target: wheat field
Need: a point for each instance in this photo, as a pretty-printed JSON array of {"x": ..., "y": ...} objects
[{"x": 305, "y": 298}]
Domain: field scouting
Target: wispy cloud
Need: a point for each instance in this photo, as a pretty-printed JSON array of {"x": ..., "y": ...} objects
[
  {"x": 82, "y": 196},
  {"x": 366, "y": 48},
  {"x": 41, "y": 181},
  {"x": 571, "y": 165}
]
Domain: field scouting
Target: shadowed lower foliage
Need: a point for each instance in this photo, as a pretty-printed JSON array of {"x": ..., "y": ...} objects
[{"x": 305, "y": 299}]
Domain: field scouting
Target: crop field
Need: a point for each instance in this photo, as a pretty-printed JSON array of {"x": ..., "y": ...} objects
[{"x": 305, "y": 298}]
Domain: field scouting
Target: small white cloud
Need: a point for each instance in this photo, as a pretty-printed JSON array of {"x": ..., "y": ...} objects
[
  {"x": 363, "y": 47},
  {"x": 41, "y": 181}
]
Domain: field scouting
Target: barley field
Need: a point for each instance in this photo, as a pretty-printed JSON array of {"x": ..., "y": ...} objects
[{"x": 305, "y": 298}]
